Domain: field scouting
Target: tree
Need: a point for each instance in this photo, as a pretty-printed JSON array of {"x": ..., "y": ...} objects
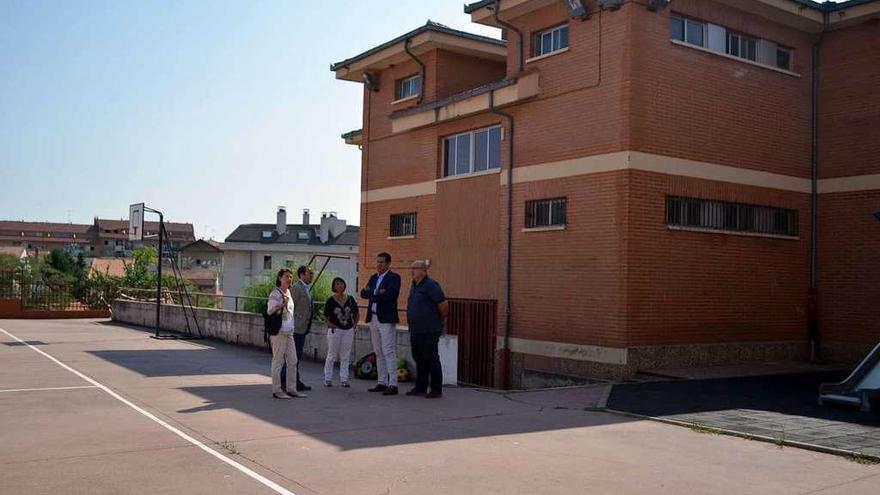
[
  {"x": 62, "y": 262},
  {"x": 260, "y": 290}
]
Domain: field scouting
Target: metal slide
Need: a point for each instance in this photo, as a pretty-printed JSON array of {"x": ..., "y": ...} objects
[{"x": 861, "y": 387}]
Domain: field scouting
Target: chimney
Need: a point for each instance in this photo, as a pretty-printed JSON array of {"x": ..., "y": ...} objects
[
  {"x": 305, "y": 216},
  {"x": 281, "y": 220},
  {"x": 331, "y": 226}
]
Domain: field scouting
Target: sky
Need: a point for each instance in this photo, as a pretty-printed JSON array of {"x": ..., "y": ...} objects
[{"x": 214, "y": 112}]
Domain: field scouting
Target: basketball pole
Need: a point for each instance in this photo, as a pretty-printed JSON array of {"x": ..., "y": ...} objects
[{"x": 158, "y": 269}]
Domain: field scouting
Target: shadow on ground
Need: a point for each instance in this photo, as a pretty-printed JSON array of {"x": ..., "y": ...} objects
[
  {"x": 347, "y": 418},
  {"x": 778, "y": 406}
]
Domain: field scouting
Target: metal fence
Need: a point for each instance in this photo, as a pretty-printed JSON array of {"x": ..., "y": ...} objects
[
  {"x": 53, "y": 295},
  {"x": 475, "y": 323}
]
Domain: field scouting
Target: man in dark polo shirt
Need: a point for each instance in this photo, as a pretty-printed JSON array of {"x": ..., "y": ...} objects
[{"x": 426, "y": 312}]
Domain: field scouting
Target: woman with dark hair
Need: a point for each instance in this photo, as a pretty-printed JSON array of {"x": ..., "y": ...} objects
[
  {"x": 341, "y": 313},
  {"x": 283, "y": 349}
]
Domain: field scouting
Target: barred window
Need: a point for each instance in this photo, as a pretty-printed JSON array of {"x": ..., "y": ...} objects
[
  {"x": 545, "y": 212},
  {"x": 728, "y": 216},
  {"x": 403, "y": 225}
]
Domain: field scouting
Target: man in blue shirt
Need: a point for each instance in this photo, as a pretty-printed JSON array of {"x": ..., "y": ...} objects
[{"x": 426, "y": 312}]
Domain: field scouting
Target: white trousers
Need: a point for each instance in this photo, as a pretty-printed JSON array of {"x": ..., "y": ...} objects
[
  {"x": 384, "y": 337},
  {"x": 283, "y": 349},
  {"x": 339, "y": 344}
]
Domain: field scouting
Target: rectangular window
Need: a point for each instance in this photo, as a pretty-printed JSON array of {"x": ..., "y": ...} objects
[
  {"x": 267, "y": 262},
  {"x": 783, "y": 58},
  {"x": 474, "y": 151},
  {"x": 742, "y": 46},
  {"x": 728, "y": 216},
  {"x": 546, "y": 213},
  {"x": 403, "y": 225},
  {"x": 687, "y": 30},
  {"x": 409, "y": 86},
  {"x": 551, "y": 40}
]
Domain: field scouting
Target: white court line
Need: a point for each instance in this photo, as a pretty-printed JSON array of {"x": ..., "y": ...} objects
[
  {"x": 244, "y": 469},
  {"x": 46, "y": 388}
]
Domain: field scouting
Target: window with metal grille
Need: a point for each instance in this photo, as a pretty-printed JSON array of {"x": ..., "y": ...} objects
[
  {"x": 403, "y": 225},
  {"x": 732, "y": 217},
  {"x": 545, "y": 213}
]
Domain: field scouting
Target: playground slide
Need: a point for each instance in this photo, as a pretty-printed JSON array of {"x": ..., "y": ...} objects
[{"x": 860, "y": 388}]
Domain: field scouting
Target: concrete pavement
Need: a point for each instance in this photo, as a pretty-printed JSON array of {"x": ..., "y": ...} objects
[{"x": 174, "y": 399}]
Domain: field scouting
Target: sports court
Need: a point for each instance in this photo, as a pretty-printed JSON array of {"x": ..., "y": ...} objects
[{"x": 91, "y": 407}]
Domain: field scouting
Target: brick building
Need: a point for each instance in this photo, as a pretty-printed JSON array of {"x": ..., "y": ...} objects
[
  {"x": 664, "y": 162},
  {"x": 103, "y": 238}
]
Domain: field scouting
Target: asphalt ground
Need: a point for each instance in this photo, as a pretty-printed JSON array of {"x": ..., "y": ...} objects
[{"x": 89, "y": 407}]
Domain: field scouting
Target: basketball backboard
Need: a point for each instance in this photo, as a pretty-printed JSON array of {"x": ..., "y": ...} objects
[{"x": 136, "y": 222}]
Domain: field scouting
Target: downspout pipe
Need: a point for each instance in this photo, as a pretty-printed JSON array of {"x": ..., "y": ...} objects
[
  {"x": 505, "y": 350},
  {"x": 813, "y": 296},
  {"x": 519, "y": 35},
  {"x": 421, "y": 69}
]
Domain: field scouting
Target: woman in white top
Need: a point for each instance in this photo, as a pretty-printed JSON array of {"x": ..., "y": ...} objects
[{"x": 282, "y": 344}]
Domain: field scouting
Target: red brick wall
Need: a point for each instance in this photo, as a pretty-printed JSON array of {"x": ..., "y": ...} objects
[
  {"x": 849, "y": 105},
  {"x": 568, "y": 285},
  {"x": 701, "y": 106},
  {"x": 455, "y": 72},
  {"x": 849, "y": 267},
  {"x": 694, "y": 287}
]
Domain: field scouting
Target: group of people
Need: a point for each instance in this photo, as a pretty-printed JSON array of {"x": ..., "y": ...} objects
[{"x": 427, "y": 310}]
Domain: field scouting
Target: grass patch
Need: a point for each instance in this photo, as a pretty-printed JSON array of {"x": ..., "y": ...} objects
[
  {"x": 860, "y": 458},
  {"x": 697, "y": 427},
  {"x": 229, "y": 447}
]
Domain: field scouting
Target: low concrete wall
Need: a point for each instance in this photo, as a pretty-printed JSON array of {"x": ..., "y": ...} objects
[
  {"x": 11, "y": 308},
  {"x": 247, "y": 329}
]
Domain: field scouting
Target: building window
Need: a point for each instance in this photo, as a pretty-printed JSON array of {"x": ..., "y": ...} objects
[
  {"x": 409, "y": 86},
  {"x": 783, "y": 57},
  {"x": 403, "y": 225},
  {"x": 474, "y": 151},
  {"x": 732, "y": 217},
  {"x": 551, "y": 40},
  {"x": 742, "y": 46},
  {"x": 267, "y": 234},
  {"x": 687, "y": 30},
  {"x": 267, "y": 262},
  {"x": 546, "y": 213}
]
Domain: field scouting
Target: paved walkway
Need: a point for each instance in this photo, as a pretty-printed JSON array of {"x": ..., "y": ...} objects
[
  {"x": 780, "y": 407},
  {"x": 107, "y": 410}
]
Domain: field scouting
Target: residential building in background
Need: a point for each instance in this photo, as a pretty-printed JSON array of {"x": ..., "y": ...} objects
[
  {"x": 257, "y": 251},
  {"x": 633, "y": 186},
  {"x": 42, "y": 237},
  {"x": 201, "y": 262},
  {"x": 103, "y": 238}
]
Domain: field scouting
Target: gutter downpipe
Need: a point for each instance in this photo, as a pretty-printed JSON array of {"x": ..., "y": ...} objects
[
  {"x": 421, "y": 70},
  {"x": 505, "y": 350},
  {"x": 813, "y": 295}
]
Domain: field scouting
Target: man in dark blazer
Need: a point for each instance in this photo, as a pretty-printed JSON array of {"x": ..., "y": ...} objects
[{"x": 381, "y": 293}]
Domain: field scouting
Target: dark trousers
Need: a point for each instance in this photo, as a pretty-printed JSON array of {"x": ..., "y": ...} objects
[
  {"x": 427, "y": 358},
  {"x": 299, "y": 340}
]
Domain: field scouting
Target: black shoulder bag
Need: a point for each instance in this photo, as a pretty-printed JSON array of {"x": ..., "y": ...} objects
[{"x": 271, "y": 323}]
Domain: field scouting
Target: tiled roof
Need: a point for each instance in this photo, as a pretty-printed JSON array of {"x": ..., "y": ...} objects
[
  {"x": 109, "y": 266},
  {"x": 253, "y": 232},
  {"x": 822, "y": 7},
  {"x": 6, "y": 225},
  {"x": 429, "y": 26}
]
